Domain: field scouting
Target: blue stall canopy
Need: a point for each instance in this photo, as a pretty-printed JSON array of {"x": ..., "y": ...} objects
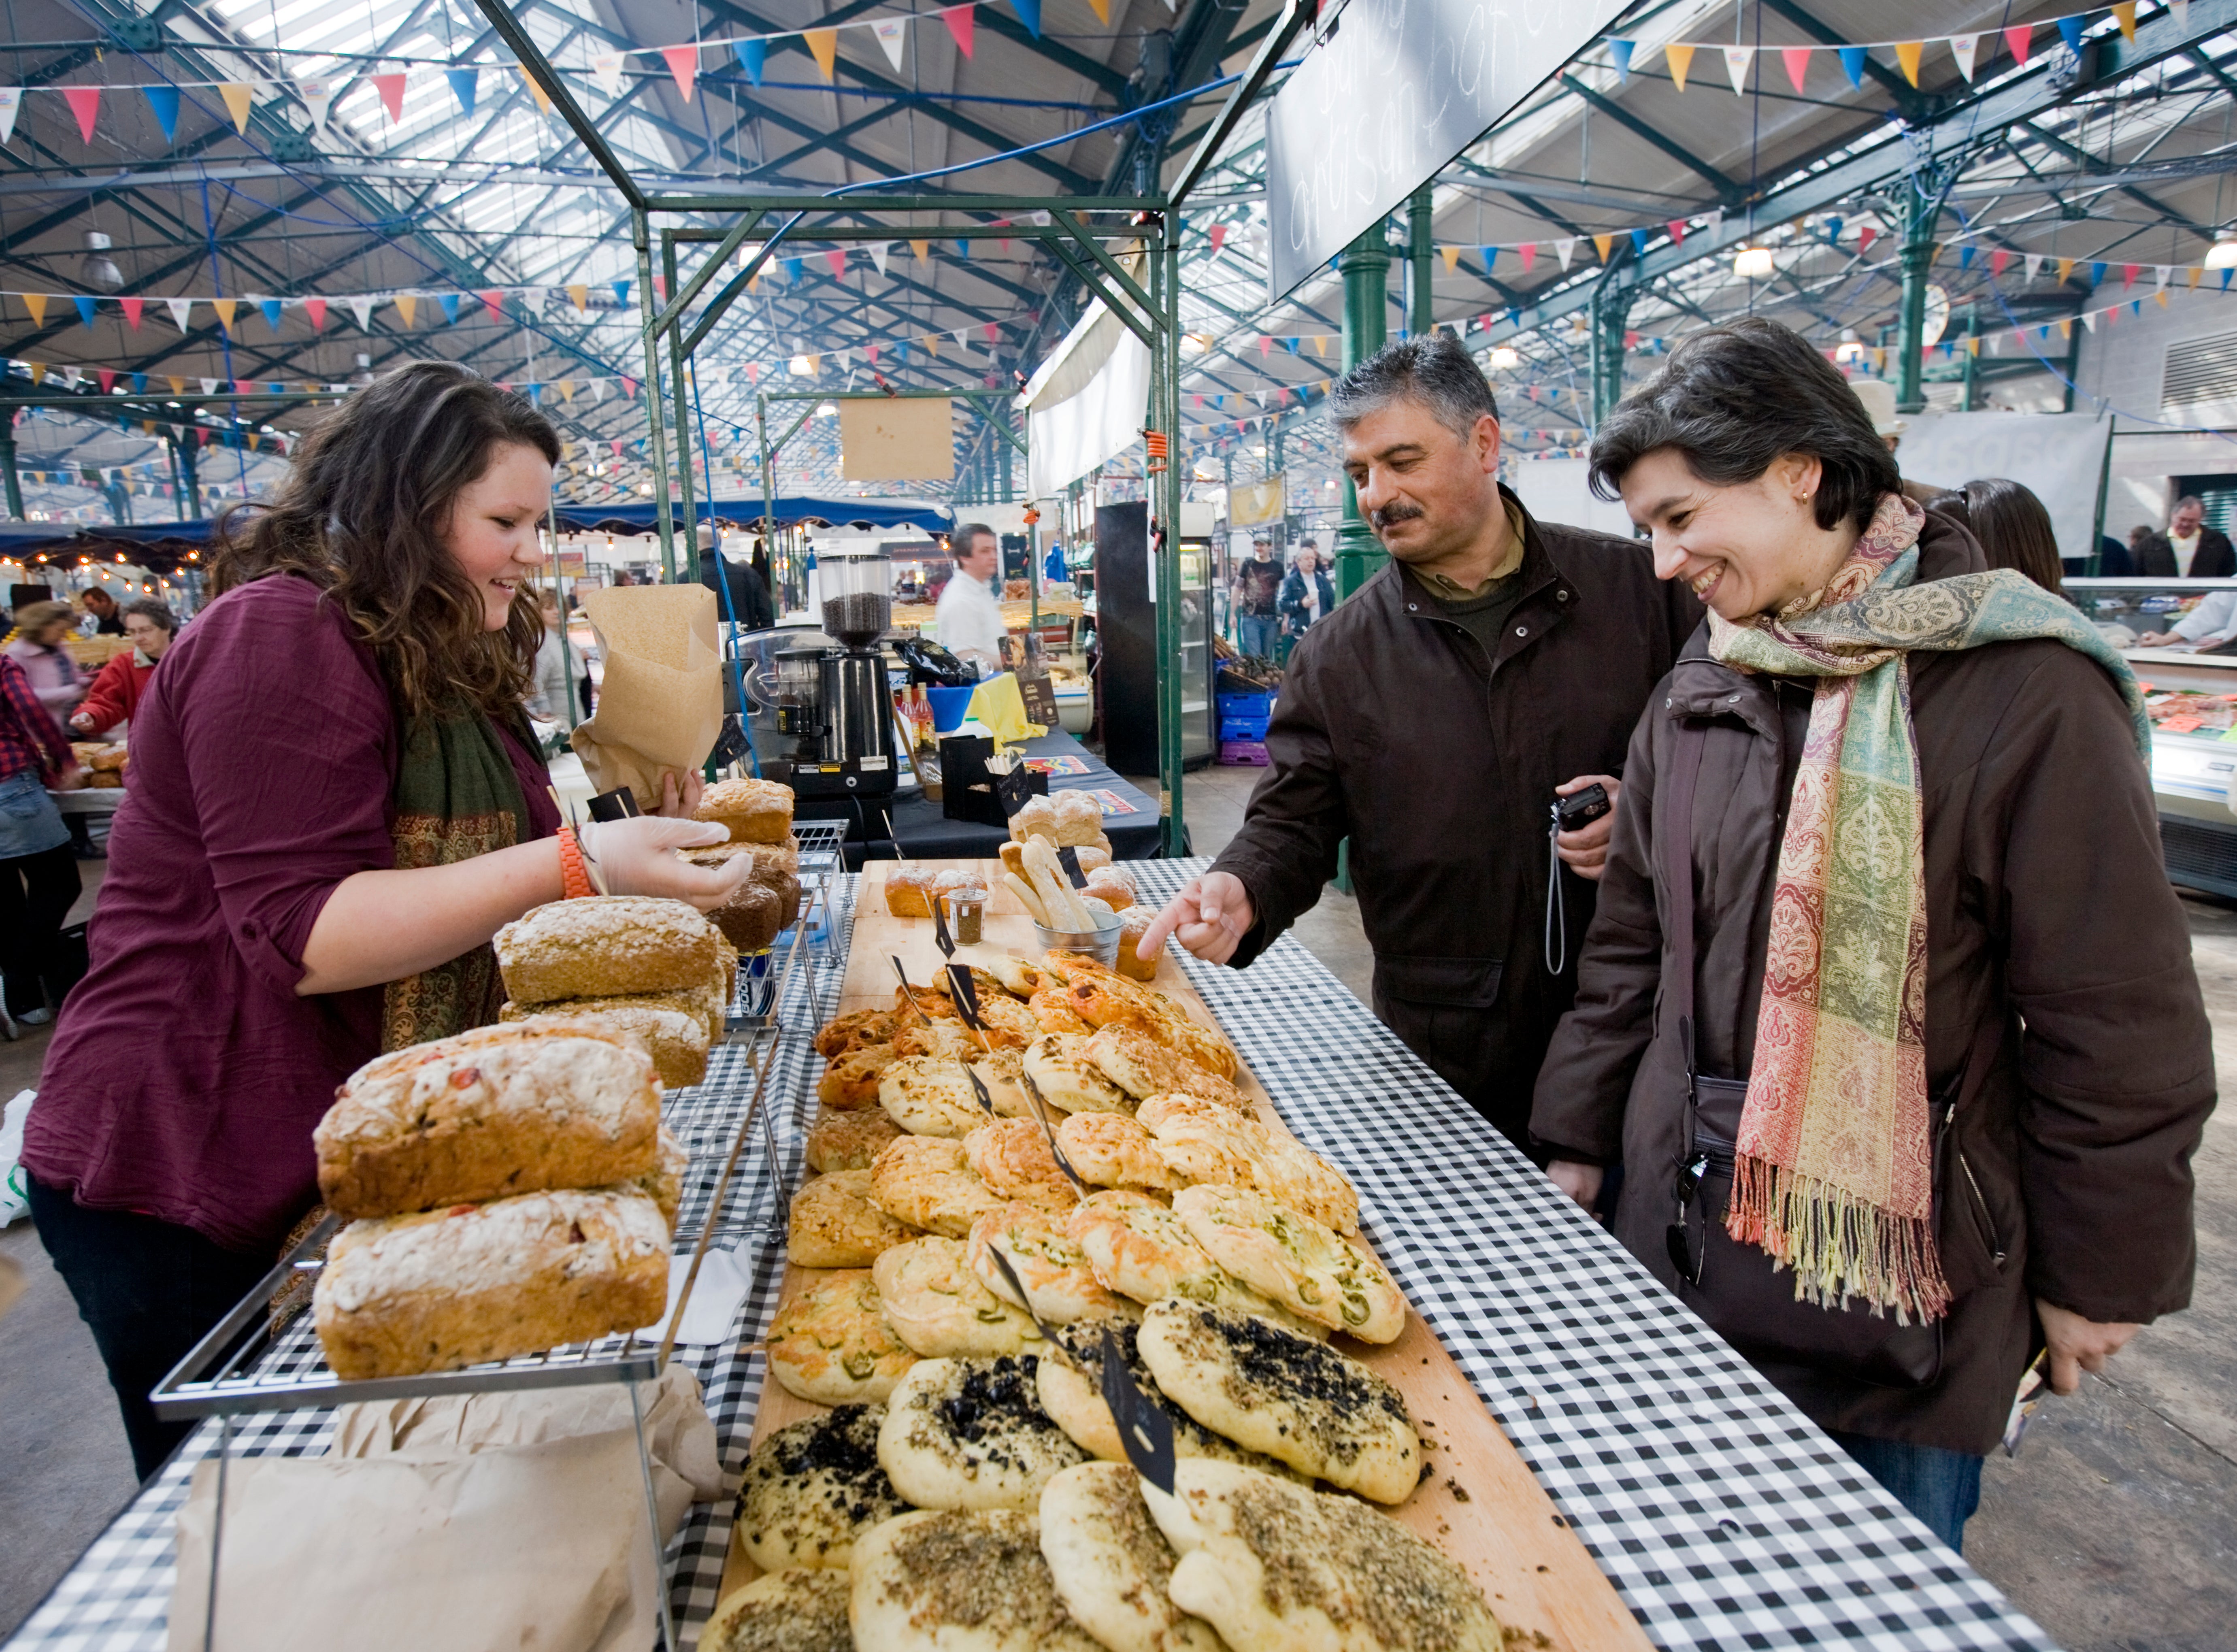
[{"x": 791, "y": 508}]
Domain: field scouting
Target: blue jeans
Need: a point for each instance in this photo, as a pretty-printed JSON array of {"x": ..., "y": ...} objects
[
  {"x": 1940, "y": 1487},
  {"x": 1254, "y": 634}
]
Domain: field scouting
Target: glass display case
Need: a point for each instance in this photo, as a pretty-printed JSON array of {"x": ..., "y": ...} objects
[{"x": 2180, "y": 638}]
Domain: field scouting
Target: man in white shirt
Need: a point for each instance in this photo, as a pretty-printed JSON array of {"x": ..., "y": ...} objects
[
  {"x": 2201, "y": 552},
  {"x": 969, "y": 619}
]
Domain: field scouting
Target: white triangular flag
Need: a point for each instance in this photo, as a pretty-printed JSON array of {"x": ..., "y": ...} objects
[
  {"x": 893, "y": 33},
  {"x": 1714, "y": 220},
  {"x": 1565, "y": 249},
  {"x": 2181, "y": 10},
  {"x": 880, "y": 251},
  {"x": 2162, "y": 273},
  {"x": 2034, "y": 262},
  {"x": 361, "y": 307},
  {"x": 180, "y": 309},
  {"x": 1965, "y": 49},
  {"x": 319, "y": 95},
  {"x": 11, "y": 100},
  {"x": 606, "y": 70},
  {"x": 209, "y": 387},
  {"x": 1737, "y": 59},
  {"x": 2089, "y": 321}
]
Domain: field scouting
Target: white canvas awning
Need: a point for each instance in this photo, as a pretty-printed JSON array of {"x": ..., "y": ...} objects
[{"x": 1085, "y": 404}]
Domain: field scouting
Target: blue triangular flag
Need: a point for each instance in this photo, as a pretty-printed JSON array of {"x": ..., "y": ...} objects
[
  {"x": 1639, "y": 243},
  {"x": 276, "y": 387},
  {"x": 2225, "y": 280},
  {"x": 2097, "y": 274},
  {"x": 463, "y": 82},
  {"x": 963, "y": 249},
  {"x": 1029, "y": 13},
  {"x": 1490, "y": 257},
  {"x": 753, "y": 55},
  {"x": 1833, "y": 229},
  {"x": 1290, "y": 345},
  {"x": 621, "y": 292},
  {"x": 450, "y": 303},
  {"x": 535, "y": 394},
  {"x": 1620, "y": 55},
  {"x": 1515, "y": 316},
  {"x": 271, "y": 309},
  {"x": 1965, "y": 258},
  {"x": 84, "y": 309},
  {"x": 2070, "y": 31},
  {"x": 139, "y": 384},
  {"x": 1852, "y": 61},
  {"x": 792, "y": 270},
  {"x": 904, "y": 349},
  {"x": 2136, "y": 307},
  {"x": 164, "y": 100}
]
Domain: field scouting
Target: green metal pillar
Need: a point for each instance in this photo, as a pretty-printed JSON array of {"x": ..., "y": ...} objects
[
  {"x": 184, "y": 450},
  {"x": 2074, "y": 331},
  {"x": 1162, "y": 489},
  {"x": 1422, "y": 257},
  {"x": 684, "y": 386},
  {"x": 1364, "y": 265},
  {"x": 656, "y": 447},
  {"x": 8, "y": 476},
  {"x": 1972, "y": 358},
  {"x": 1009, "y": 485},
  {"x": 1611, "y": 320},
  {"x": 1918, "y": 262},
  {"x": 178, "y": 486}
]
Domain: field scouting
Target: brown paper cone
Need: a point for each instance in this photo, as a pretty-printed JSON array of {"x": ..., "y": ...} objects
[{"x": 660, "y": 707}]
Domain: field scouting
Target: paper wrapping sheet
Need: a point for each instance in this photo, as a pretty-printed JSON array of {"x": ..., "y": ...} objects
[{"x": 660, "y": 707}]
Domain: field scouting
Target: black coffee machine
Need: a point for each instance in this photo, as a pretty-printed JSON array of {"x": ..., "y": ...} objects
[{"x": 835, "y": 703}]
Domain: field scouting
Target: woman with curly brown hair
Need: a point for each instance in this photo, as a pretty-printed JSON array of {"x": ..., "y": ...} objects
[{"x": 335, "y": 803}]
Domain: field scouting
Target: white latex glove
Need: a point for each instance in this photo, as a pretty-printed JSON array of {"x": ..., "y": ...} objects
[{"x": 638, "y": 857}]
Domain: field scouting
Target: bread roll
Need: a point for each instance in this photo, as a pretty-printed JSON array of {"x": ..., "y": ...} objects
[
  {"x": 754, "y": 811},
  {"x": 1134, "y": 924},
  {"x": 774, "y": 869},
  {"x": 676, "y": 1038},
  {"x": 444, "y": 1289},
  {"x": 498, "y": 1111},
  {"x": 908, "y": 891},
  {"x": 607, "y": 946}
]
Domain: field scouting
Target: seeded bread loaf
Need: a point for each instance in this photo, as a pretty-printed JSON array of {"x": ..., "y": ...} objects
[
  {"x": 495, "y": 1112},
  {"x": 450, "y": 1288},
  {"x": 676, "y": 1038},
  {"x": 607, "y": 946}
]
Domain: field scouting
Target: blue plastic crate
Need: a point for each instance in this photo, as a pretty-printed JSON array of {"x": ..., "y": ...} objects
[
  {"x": 1242, "y": 728},
  {"x": 1246, "y": 705}
]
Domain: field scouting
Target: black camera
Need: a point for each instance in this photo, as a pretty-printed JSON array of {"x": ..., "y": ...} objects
[{"x": 1581, "y": 808}]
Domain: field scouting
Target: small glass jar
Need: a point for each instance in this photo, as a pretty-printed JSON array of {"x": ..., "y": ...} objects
[{"x": 967, "y": 915}]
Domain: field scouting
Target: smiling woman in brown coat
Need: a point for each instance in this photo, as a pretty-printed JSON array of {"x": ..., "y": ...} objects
[{"x": 1887, "y": 990}]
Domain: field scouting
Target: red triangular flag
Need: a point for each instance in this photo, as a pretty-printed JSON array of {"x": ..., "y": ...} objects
[
  {"x": 1796, "y": 59},
  {"x": 85, "y": 103},
  {"x": 1529, "y": 255},
  {"x": 132, "y": 311},
  {"x": 391, "y": 88},
  {"x": 1997, "y": 259},
  {"x": 958, "y": 19},
  {"x": 1867, "y": 235},
  {"x": 1218, "y": 236},
  {"x": 2019, "y": 37},
  {"x": 493, "y": 302},
  {"x": 1677, "y": 229},
  {"x": 316, "y": 309},
  {"x": 838, "y": 259},
  {"x": 107, "y": 377},
  {"x": 683, "y": 63}
]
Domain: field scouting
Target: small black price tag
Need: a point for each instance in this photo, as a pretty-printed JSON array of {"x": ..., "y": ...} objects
[
  {"x": 1145, "y": 1433},
  {"x": 1068, "y": 858},
  {"x": 1013, "y": 789},
  {"x": 946, "y": 941},
  {"x": 979, "y": 1089},
  {"x": 1040, "y": 1110},
  {"x": 965, "y": 992},
  {"x": 909, "y": 992}
]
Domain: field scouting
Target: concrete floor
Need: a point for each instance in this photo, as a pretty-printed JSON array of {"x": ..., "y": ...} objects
[{"x": 2115, "y": 1528}]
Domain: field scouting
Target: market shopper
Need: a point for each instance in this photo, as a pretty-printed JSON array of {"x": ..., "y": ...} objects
[
  {"x": 2013, "y": 528},
  {"x": 1307, "y": 596},
  {"x": 968, "y": 618},
  {"x": 2199, "y": 552},
  {"x": 38, "y": 870},
  {"x": 1255, "y": 600},
  {"x": 41, "y": 631},
  {"x": 1892, "y": 810},
  {"x": 1432, "y": 719},
  {"x": 561, "y": 693},
  {"x": 115, "y": 696},
  {"x": 335, "y": 805},
  {"x": 100, "y": 607}
]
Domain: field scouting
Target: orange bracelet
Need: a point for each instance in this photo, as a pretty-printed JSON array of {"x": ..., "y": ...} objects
[{"x": 574, "y": 881}]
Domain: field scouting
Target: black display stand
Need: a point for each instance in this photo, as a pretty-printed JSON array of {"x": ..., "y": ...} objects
[{"x": 1126, "y": 621}]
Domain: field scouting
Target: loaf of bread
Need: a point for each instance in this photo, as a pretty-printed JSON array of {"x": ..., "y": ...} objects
[
  {"x": 774, "y": 869},
  {"x": 478, "y": 1282},
  {"x": 664, "y": 1186},
  {"x": 1092, "y": 857},
  {"x": 607, "y": 946},
  {"x": 909, "y": 890},
  {"x": 754, "y": 811},
  {"x": 1072, "y": 817},
  {"x": 498, "y": 1111},
  {"x": 751, "y": 917},
  {"x": 703, "y": 1004},
  {"x": 1134, "y": 924},
  {"x": 677, "y": 1039}
]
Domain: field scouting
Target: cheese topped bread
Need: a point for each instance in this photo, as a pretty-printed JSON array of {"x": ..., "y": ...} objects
[
  {"x": 1062, "y": 1065},
  {"x": 1059, "y": 1286},
  {"x": 811, "y": 1490},
  {"x": 1053, "y": 1011},
  {"x": 1139, "y": 1248},
  {"x": 1206, "y": 1143},
  {"x": 836, "y": 1223},
  {"x": 928, "y": 1182},
  {"x": 950, "y": 1040},
  {"x": 852, "y": 1031},
  {"x": 1113, "y": 1150},
  {"x": 830, "y": 1343},
  {"x": 851, "y": 1080},
  {"x": 849, "y": 1141},
  {"x": 1000, "y": 1072},
  {"x": 1143, "y": 1067},
  {"x": 1013, "y": 1156},
  {"x": 971, "y": 1434},
  {"x": 941, "y": 1308},
  {"x": 930, "y": 1095},
  {"x": 1305, "y": 1266}
]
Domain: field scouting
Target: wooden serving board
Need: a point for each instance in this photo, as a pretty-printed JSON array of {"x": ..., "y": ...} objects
[{"x": 1481, "y": 1505}]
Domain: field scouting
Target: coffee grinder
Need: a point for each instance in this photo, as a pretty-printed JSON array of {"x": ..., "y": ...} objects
[{"x": 846, "y": 736}]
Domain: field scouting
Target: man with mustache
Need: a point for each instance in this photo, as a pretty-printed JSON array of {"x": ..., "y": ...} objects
[{"x": 1432, "y": 719}]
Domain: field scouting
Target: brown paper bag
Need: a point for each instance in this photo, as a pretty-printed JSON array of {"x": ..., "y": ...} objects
[
  {"x": 538, "y": 1548},
  {"x": 660, "y": 706},
  {"x": 686, "y": 1465}
]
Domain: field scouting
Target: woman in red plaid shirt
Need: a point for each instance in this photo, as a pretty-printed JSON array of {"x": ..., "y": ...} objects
[{"x": 38, "y": 869}]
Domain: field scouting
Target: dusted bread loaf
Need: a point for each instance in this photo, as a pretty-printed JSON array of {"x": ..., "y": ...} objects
[
  {"x": 908, "y": 891},
  {"x": 498, "y": 1111},
  {"x": 754, "y": 811},
  {"x": 607, "y": 946},
  {"x": 676, "y": 1038},
  {"x": 478, "y": 1282}
]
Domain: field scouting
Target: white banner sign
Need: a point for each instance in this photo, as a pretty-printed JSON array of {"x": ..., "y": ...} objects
[{"x": 2061, "y": 457}]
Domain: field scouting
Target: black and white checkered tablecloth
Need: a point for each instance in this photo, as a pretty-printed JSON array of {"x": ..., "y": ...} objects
[{"x": 1724, "y": 1516}]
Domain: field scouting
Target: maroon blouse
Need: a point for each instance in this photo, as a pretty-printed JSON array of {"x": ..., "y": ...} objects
[{"x": 186, "y": 1075}]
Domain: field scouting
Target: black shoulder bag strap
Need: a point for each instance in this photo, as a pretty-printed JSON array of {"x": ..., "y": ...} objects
[{"x": 1673, "y": 832}]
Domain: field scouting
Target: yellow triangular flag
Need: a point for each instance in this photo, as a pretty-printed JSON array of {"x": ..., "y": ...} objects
[
  {"x": 1320, "y": 344},
  {"x": 236, "y": 104},
  {"x": 1908, "y": 52},
  {"x": 1972, "y": 346},
  {"x": 37, "y": 303},
  {"x": 931, "y": 343},
  {"x": 1601, "y": 243},
  {"x": 225, "y": 307},
  {"x": 2065, "y": 269},
  {"x": 2161, "y": 296},
  {"x": 815, "y": 365},
  {"x": 580, "y": 295},
  {"x": 1452, "y": 257},
  {"x": 566, "y": 390},
  {"x": 146, "y": 427},
  {"x": 823, "y": 45},
  {"x": 253, "y": 441},
  {"x": 1102, "y": 11},
  {"x": 536, "y": 91},
  {"x": 2194, "y": 274},
  {"x": 405, "y": 303},
  {"x": 178, "y": 385},
  {"x": 921, "y": 248},
  {"x": 2066, "y": 329},
  {"x": 2124, "y": 13},
  {"x": 1679, "y": 57},
  {"x": 38, "y": 372}
]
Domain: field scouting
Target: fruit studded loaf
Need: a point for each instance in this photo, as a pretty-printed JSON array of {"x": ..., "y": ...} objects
[
  {"x": 607, "y": 946},
  {"x": 498, "y": 1111},
  {"x": 477, "y": 1282},
  {"x": 675, "y": 1037}
]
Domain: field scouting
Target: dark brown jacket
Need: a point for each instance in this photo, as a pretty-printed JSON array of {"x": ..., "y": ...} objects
[
  {"x": 1393, "y": 729},
  {"x": 2046, "y": 899}
]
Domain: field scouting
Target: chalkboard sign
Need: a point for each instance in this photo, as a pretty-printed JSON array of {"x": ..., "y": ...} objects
[{"x": 1396, "y": 89}]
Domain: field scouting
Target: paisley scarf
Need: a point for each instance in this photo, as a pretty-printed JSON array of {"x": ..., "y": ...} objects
[{"x": 1835, "y": 1174}]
